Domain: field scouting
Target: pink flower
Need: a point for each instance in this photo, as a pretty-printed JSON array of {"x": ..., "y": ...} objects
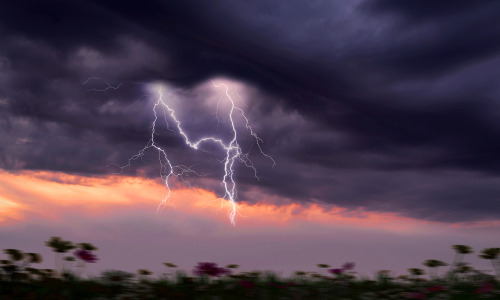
[
  {"x": 85, "y": 255},
  {"x": 436, "y": 288},
  {"x": 336, "y": 271},
  {"x": 247, "y": 284},
  {"x": 210, "y": 269},
  {"x": 486, "y": 287},
  {"x": 348, "y": 266}
]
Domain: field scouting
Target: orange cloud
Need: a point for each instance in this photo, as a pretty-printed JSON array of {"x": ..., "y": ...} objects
[
  {"x": 9, "y": 211},
  {"x": 49, "y": 195}
]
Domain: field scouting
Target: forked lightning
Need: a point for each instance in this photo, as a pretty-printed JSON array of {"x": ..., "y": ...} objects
[{"x": 232, "y": 148}]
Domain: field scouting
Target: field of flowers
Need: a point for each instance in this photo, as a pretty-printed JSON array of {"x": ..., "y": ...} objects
[{"x": 20, "y": 280}]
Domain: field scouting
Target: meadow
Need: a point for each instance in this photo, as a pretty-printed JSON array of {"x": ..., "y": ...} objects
[{"x": 19, "y": 279}]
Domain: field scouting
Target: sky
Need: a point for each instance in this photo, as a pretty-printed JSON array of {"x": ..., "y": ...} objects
[{"x": 382, "y": 117}]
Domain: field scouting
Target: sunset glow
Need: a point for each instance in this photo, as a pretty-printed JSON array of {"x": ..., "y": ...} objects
[{"x": 57, "y": 192}]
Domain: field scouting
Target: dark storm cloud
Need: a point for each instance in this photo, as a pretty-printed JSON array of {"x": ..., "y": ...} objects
[
  {"x": 363, "y": 103},
  {"x": 458, "y": 33}
]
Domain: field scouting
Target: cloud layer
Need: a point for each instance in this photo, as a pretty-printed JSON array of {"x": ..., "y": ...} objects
[{"x": 363, "y": 104}]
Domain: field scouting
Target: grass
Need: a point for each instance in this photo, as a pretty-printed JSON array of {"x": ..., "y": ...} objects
[{"x": 254, "y": 285}]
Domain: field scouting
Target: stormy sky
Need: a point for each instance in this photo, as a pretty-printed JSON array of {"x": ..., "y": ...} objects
[{"x": 388, "y": 106}]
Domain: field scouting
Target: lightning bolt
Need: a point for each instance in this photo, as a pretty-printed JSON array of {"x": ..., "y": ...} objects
[{"x": 232, "y": 149}]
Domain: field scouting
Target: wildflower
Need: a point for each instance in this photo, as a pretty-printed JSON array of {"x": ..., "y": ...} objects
[
  {"x": 486, "y": 287},
  {"x": 210, "y": 269},
  {"x": 246, "y": 284},
  {"x": 86, "y": 256},
  {"x": 436, "y": 288},
  {"x": 348, "y": 266},
  {"x": 336, "y": 271}
]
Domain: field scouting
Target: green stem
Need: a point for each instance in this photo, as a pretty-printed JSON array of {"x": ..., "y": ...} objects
[
  {"x": 58, "y": 262},
  {"x": 496, "y": 266},
  {"x": 81, "y": 265}
]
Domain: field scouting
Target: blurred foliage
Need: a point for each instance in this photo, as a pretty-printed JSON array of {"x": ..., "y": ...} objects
[
  {"x": 59, "y": 245},
  {"x": 14, "y": 254},
  {"x": 416, "y": 271},
  {"x": 34, "y": 257},
  {"x": 144, "y": 272},
  {"x": 87, "y": 247},
  {"x": 232, "y": 266},
  {"x": 490, "y": 253},
  {"x": 19, "y": 280},
  {"x": 462, "y": 249},
  {"x": 434, "y": 263},
  {"x": 116, "y": 277},
  {"x": 170, "y": 265}
]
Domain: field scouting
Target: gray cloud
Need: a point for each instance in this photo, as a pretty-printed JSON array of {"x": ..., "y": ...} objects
[{"x": 369, "y": 104}]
